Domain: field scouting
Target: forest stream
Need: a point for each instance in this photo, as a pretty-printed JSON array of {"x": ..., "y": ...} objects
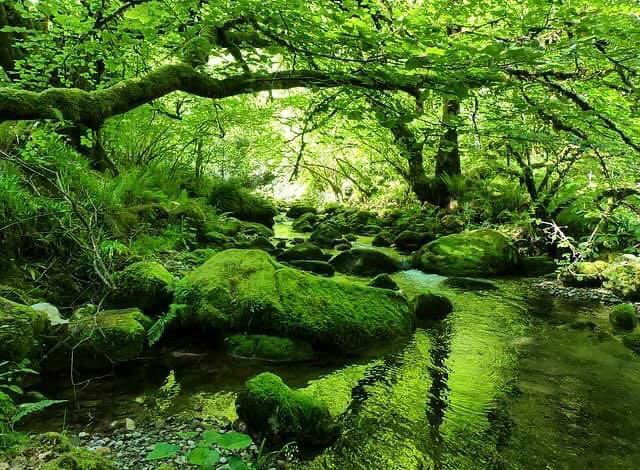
[{"x": 513, "y": 378}]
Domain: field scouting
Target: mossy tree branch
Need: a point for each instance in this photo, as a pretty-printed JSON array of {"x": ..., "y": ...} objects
[{"x": 92, "y": 108}]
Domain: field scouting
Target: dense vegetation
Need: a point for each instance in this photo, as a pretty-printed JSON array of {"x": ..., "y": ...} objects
[{"x": 148, "y": 147}]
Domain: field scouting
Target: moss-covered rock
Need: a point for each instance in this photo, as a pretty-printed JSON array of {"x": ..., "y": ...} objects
[
  {"x": 269, "y": 348},
  {"x": 298, "y": 210},
  {"x": 431, "y": 306},
  {"x": 382, "y": 239},
  {"x": 305, "y": 222},
  {"x": 217, "y": 239},
  {"x": 318, "y": 267},
  {"x": 584, "y": 274},
  {"x": 270, "y": 407},
  {"x": 191, "y": 213},
  {"x": 482, "y": 252},
  {"x": 623, "y": 279},
  {"x": 303, "y": 251},
  {"x": 80, "y": 459},
  {"x": 327, "y": 231},
  {"x": 231, "y": 198},
  {"x": 632, "y": 341},
  {"x": 364, "y": 262},
  {"x": 21, "y": 330},
  {"x": 101, "y": 340},
  {"x": 624, "y": 316},
  {"x": 145, "y": 285},
  {"x": 383, "y": 281},
  {"x": 247, "y": 290},
  {"x": 408, "y": 240},
  {"x": 256, "y": 243},
  {"x": 232, "y": 227}
]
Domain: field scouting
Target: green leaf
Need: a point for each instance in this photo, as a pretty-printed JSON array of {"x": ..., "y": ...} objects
[
  {"x": 204, "y": 457},
  {"x": 229, "y": 440},
  {"x": 236, "y": 463},
  {"x": 162, "y": 450}
]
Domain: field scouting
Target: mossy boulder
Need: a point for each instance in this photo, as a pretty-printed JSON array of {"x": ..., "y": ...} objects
[
  {"x": 408, "y": 240},
  {"x": 481, "y": 252},
  {"x": 382, "y": 239},
  {"x": 232, "y": 227},
  {"x": 256, "y": 243},
  {"x": 623, "y": 279},
  {"x": 21, "y": 330},
  {"x": 305, "y": 222},
  {"x": 431, "y": 306},
  {"x": 218, "y": 239},
  {"x": 632, "y": 341},
  {"x": 231, "y": 198},
  {"x": 383, "y": 281},
  {"x": 325, "y": 232},
  {"x": 303, "y": 251},
  {"x": 190, "y": 213},
  {"x": 80, "y": 459},
  {"x": 268, "y": 406},
  {"x": 584, "y": 274},
  {"x": 298, "y": 210},
  {"x": 318, "y": 267},
  {"x": 269, "y": 348},
  {"x": 364, "y": 262},
  {"x": 624, "y": 316},
  {"x": 101, "y": 340},
  {"x": 145, "y": 285},
  {"x": 247, "y": 290}
]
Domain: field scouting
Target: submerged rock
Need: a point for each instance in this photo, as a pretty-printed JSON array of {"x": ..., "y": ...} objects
[
  {"x": 247, "y": 290},
  {"x": 624, "y": 316},
  {"x": 431, "y": 306},
  {"x": 482, "y": 252},
  {"x": 469, "y": 283},
  {"x": 383, "y": 281},
  {"x": 144, "y": 285},
  {"x": 271, "y": 408},
  {"x": 269, "y": 348},
  {"x": 364, "y": 262},
  {"x": 318, "y": 267},
  {"x": 21, "y": 330}
]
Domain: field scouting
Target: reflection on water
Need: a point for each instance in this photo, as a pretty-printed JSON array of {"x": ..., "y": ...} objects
[{"x": 506, "y": 381}]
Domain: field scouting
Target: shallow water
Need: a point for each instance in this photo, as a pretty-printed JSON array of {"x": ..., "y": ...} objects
[{"x": 507, "y": 380}]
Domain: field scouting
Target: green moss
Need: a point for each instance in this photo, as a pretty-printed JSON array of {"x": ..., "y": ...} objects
[
  {"x": 247, "y": 290},
  {"x": 231, "y": 198},
  {"x": 384, "y": 281},
  {"x": 624, "y": 316},
  {"x": 478, "y": 253},
  {"x": 302, "y": 251},
  {"x": 624, "y": 280},
  {"x": 271, "y": 348},
  {"x": 21, "y": 328},
  {"x": 364, "y": 262},
  {"x": 80, "y": 459},
  {"x": 190, "y": 212},
  {"x": 431, "y": 306},
  {"x": 100, "y": 340},
  {"x": 632, "y": 341},
  {"x": 300, "y": 209},
  {"x": 305, "y": 222},
  {"x": 270, "y": 407},
  {"x": 584, "y": 274},
  {"x": 145, "y": 285},
  {"x": 232, "y": 227},
  {"x": 327, "y": 231}
]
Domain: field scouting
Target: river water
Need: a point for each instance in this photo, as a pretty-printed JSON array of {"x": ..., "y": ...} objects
[{"x": 512, "y": 378}]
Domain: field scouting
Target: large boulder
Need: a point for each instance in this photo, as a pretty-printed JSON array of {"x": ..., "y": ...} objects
[
  {"x": 303, "y": 251},
  {"x": 384, "y": 281},
  {"x": 431, "y": 306},
  {"x": 584, "y": 274},
  {"x": 100, "y": 340},
  {"x": 145, "y": 285},
  {"x": 382, "y": 239},
  {"x": 21, "y": 330},
  {"x": 305, "y": 222},
  {"x": 364, "y": 262},
  {"x": 269, "y": 348},
  {"x": 623, "y": 279},
  {"x": 268, "y": 406},
  {"x": 327, "y": 231},
  {"x": 481, "y": 252},
  {"x": 409, "y": 240},
  {"x": 231, "y": 198},
  {"x": 297, "y": 210},
  {"x": 247, "y": 290}
]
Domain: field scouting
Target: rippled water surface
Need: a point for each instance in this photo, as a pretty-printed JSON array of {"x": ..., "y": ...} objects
[{"x": 511, "y": 379}]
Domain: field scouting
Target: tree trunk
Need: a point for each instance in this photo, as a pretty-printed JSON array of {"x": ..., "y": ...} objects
[
  {"x": 7, "y": 60},
  {"x": 448, "y": 156}
]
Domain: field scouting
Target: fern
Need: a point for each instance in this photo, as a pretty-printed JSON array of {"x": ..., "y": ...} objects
[
  {"x": 159, "y": 327},
  {"x": 27, "y": 409}
]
